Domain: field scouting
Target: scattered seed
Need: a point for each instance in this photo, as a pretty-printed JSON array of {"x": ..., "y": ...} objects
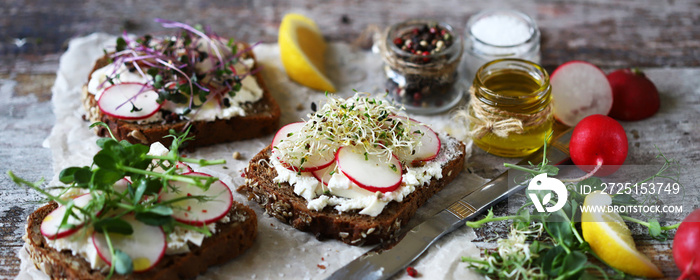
[{"x": 236, "y": 155}]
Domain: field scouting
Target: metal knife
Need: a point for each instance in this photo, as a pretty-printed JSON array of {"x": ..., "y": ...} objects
[{"x": 382, "y": 264}]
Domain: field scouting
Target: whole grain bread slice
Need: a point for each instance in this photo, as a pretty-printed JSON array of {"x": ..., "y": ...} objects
[
  {"x": 261, "y": 118},
  {"x": 280, "y": 201},
  {"x": 230, "y": 240}
]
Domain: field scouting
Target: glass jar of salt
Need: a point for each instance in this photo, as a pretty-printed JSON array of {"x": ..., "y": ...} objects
[
  {"x": 421, "y": 63},
  {"x": 498, "y": 34}
]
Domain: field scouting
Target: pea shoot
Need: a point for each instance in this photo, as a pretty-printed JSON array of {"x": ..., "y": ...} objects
[
  {"x": 550, "y": 245},
  {"x": 149, "y": 176}
]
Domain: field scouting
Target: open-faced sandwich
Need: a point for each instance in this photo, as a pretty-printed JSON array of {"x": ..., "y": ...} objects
[
  {"x": 356, "y": 170},
  {"x": 137, "y": 213},
  {"x": 148, "y": 85}
]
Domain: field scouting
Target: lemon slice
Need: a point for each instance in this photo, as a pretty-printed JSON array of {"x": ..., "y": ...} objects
[
  {"x": 302, "y": 50},
  {"x": 612, "y": 241}
]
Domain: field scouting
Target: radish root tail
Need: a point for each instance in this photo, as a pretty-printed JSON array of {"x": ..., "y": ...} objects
[{"x": 584, "y": 177}]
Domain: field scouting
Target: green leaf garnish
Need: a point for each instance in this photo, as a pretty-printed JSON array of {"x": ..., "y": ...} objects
[{"x": 562, "y": 253}]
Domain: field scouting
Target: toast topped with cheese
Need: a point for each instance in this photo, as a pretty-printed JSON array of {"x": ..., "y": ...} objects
[
  {"x": 355, "y": 171},
  {"x": 137, "y": 213},
  {"x": 147, "y": 86}
]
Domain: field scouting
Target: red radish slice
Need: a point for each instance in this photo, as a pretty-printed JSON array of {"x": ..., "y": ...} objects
[
  {"x": 353, "y": 190},
  {"x": 324, "y": 175},
  {"x": 311, "y": 163},
  {"x": 183, "y": 167},
  {"x": 284, "y": 133},
  {"x": 579, "y": 89},
  {"x": 195, "y": 212},
  {"x": 429, "y": 146},
  {"x": 51, "y": 223},
  {"x": 146, "y": 245},
  {"x": 121, "y": 185},
  {"x": 370, "y": 172},
  {"x": 118, "y": 101},
  {"x": 430, "y": 142}
]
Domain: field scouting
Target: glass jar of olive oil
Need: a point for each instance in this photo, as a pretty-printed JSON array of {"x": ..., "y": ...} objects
[{"x": 509, "y": 111}]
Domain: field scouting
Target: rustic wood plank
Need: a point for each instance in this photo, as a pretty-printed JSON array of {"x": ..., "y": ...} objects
[
  {"x": 26, "y": 118},
  {"x": 607, "y": 33}
]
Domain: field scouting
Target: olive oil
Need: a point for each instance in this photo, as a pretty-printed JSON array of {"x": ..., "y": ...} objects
[{"x": 514, "y": 89}]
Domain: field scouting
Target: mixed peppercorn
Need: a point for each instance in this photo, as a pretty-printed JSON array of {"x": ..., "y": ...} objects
[
  {"x": 422, "y": 45},
  {"x": 424, "y": 40}
]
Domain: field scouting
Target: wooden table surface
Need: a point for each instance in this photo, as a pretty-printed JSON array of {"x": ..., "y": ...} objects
[{"x": 662, "y": 36}]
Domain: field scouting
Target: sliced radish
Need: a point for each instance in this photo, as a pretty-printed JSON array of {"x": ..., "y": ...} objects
[
  {"x": 324, "y": 175},
  {"x": 129, "y": 101},
  {"x": 184, "y": 167},
  {"x": 284, "y": 133},
  {"x": 579, "y": 89},
  {"x": 352, "y": 190},
  {"x": 195, "y": 212},
  {"x": 146, "y": 245},
  {"x": 430, "y": 142},
  {"x": 429, "y": 146},
  {"x": 311, "y": 163},
  {"x": 121, "y": 185},
  {"x": 370, "y": 172},
  {"x": 50, "y": 226}
]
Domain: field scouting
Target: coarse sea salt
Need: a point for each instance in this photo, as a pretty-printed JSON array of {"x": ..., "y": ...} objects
[
  {"x": 501, "y": 30},
  {"x": 499, "y": 34}
]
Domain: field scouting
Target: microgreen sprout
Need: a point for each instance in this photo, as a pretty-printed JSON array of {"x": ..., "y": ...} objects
[
  {"x": 366, "y": 123},
  {"x": 115, "y": 161},
  {"x": 189, "y": 69}
]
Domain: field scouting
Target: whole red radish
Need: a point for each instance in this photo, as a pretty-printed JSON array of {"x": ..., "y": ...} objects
[
  {"x": 598, "y": 145},
  {"x": 579, "y": 89},
  {"x": 635, "y": 97},
  {"x": 686, "y": 246}
]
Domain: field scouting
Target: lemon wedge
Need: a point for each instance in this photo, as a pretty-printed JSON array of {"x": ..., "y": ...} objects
[
  {"x": 611, "y": 240},
  {"x": 302, "y": 50}
]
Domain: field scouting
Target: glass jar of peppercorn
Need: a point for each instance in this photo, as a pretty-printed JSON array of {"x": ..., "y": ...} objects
[{"x": 421, "y": 60}]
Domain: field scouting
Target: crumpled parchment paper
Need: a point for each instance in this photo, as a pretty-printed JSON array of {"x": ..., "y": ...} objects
[{"x": 280, "y": 251}]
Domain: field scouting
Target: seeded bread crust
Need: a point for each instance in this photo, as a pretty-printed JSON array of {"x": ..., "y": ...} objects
[
  {"x": 280, "y": 201},
  {"x": 262, "y": 118},
  {"x": 230, "y": 240}
]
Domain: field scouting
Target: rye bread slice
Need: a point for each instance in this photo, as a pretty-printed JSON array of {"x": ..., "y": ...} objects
[
  {"x": 280, "y": 201},
  {"x": 230, "y": 240},
  {"x": 262, "y": 118}
]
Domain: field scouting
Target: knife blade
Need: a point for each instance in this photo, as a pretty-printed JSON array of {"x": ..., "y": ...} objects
[{"x": 381, "y": 263}]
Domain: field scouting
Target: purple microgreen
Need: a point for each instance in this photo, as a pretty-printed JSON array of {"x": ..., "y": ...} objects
[
  {"x": 174, "y": 24},
  {"x": 241, "y": 52}
]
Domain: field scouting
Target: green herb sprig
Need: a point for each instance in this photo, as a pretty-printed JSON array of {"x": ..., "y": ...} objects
[
  {"x": 550, "y": 245},
  {"x": 115, "y": 161}
]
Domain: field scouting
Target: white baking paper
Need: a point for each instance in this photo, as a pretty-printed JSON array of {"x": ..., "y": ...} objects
[{"x": 280, "y": 251}]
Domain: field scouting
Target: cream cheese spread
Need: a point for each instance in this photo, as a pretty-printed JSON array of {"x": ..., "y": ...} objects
[{"x": 344, "y": 195}]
